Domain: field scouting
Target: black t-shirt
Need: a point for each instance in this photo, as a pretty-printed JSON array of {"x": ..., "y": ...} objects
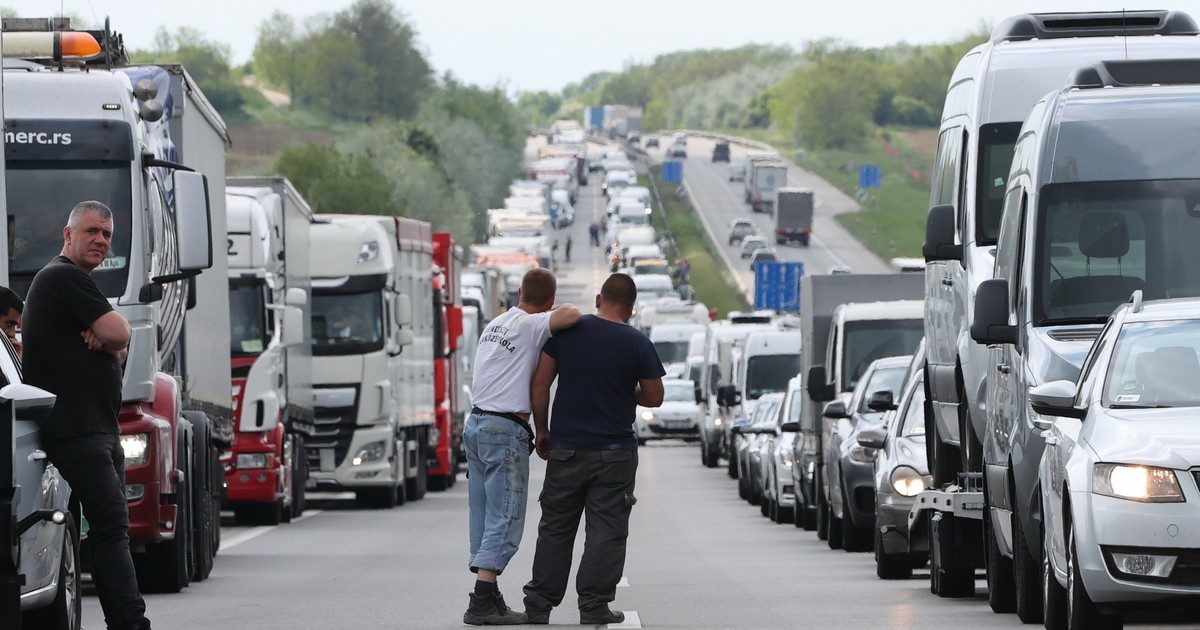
[
  {"x": 599, "y": 364},
  {"x": 63, "y": 302}
]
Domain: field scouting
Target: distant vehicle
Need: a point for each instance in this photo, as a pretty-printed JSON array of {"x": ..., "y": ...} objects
[
  {"x": 635, "y": 253},
  {"x": 778, "y": 492},
  {"x": 737, "y": 169},
  {"x": 672, "y": 340},
  {"x": 794, "y": 216},
  {"x": 720, "y": 152},
  {"x": 746, "y": 437},
  {"x": 675, "y": 418},
  {"x": 740, "y": 229},
  {"x": 751, "y": 244},
  {"x": 651, "y": 266},
  {"x": 762, "y": 182},
  {"x": 765, "y": 254},
  {"x": 640, "y": 194},
  {"x": 659, "y": 285},
  {"x": 562, "y": 213},
  {"x": 678, "y": 149},
  {"x": 617, "y": 179},
  {"x": 651, "y": 142},
  {"x": 633, "y": 137}
]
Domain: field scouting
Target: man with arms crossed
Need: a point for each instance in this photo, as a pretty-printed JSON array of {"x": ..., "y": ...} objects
[
  {"x": 496, "y": 438},
  {"x": 76, "y": 344},
  {"x": 605, "y": 368}
]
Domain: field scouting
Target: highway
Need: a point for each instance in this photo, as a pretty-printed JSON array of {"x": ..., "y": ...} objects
[{"x": 719, "y": 201}]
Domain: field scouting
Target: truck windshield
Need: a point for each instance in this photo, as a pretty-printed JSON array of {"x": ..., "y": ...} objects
[
  {"x": 671, "y": 351},
  {"x": 347, "y": 323},
  {"x": 40, "y": 197},
  {"x": 1098, "y": 242},
  {"x": 769, "y": 373},
  {"x": 1155, "y": 364},
  {"x": 679, "y": 392},
  {"x": 248, "y": 327},
  {"x": 996, "y": 147},
  {"x": 867, "y": 340}
]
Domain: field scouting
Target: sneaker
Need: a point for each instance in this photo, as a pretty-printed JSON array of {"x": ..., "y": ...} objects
[
  {"x": 600, "y": 616},
  {"x": 537, "y": 617},
  {"x": 489, "y": 609}
]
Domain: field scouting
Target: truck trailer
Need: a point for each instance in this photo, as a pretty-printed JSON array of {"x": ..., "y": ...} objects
[
  {"x": 794, "y": 215},
  {"x": 446, "y": 454}
]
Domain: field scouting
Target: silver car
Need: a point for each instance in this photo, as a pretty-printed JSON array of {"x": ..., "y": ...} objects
[
  {"x": 748, "y": 442},
  {"x": 675, "y": 418},
  {"x": 778, "y": 492}
]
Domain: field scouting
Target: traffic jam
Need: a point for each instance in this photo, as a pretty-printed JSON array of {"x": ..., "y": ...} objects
[{"x": 1012, "y": 420}]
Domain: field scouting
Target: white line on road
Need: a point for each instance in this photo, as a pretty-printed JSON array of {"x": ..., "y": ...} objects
[
  {"x": 255, "y": 532},
  {"x": 624, "y": 582},
  {"x": 631, "y": 621}
]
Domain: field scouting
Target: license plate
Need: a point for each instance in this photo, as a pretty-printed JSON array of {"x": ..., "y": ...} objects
[{"x": 676, "y": 424}]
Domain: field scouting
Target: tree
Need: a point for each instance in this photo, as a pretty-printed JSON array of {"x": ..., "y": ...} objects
[
  {"x": 539, "y": 107},
  {"x": 275, "y": 52},
  {"x": 335, "y": 182},
  {"x": 387, "y": 43}
]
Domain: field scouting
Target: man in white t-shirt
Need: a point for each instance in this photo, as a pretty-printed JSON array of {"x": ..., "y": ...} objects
[{"x": 497, "y": 438}]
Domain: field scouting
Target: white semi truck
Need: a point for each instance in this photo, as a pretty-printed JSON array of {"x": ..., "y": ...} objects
[
  {"x": 271, "y": 346},
  {"x": 372, "y": 357}
]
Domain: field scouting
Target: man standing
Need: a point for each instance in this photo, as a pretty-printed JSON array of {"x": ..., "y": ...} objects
[
  {"x": 604, "y": 368},
  {"x": 11, "y": 307},
  {"x": 76, "y": 345},
  {"x": 497, "y": 435},
  {"x": 567, "y": 251}
]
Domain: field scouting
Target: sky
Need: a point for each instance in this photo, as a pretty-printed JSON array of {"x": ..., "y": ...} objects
[{"x": 545, "y": 44}]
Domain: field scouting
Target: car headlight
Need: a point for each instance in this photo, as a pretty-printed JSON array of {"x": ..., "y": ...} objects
[
  {"x": 1147, "y": 484},
  {"x": 372, "y": 452},
  {"x": 647, "y": 416},
  {"x": 255, "y": 460},
  {"x": 716, "y": 422},
  {"x": 907, "y": 481},
  {"x": 135, "y": 447},
  {"x": 785, "y": 458},
  {"x": 860, "y": 453}
]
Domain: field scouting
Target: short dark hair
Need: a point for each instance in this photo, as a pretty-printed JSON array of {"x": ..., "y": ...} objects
[
  {"x": 620, "y": 290},
  {"x": 10, "y": 300},
  {"x": 538, "y": 287}
]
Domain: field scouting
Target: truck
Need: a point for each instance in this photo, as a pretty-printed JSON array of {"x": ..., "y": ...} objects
[
  {"x": 447, "y": 338},
  {"x": 372, "y": 327},
  {"x": 145, "y": 141},
  {"x": 824, "y": 339},
  {"x": 593, "y": 119},
  {"x": 271, "y": 346},
  {"x": 763, "y": 180},
  {"x": 793, "y": 215}
]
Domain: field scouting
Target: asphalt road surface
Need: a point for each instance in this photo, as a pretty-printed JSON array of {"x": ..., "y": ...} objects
[{"x": 698, "y": 556}]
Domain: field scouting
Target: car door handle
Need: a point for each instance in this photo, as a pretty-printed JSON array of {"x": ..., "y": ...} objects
[
  {"x": 1004, "y": 368},
  {"x": 37, "y": 456},
  {"x": 948, "y": 282}
]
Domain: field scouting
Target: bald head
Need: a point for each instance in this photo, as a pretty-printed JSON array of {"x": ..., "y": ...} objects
[
  {"x": 619, "y": 290},
  {"x": 538, "y": 288}
]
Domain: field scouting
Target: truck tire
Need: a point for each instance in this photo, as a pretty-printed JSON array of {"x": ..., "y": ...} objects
[
  {"x": 415, "y": 488},
  {"x": 66, "y": 611},
  {"x": 708, "y": 454},
  {"x": 165, "y": 566},
  {"x": 1001, "y": 596},
  {"x": 299, "y": 477},
  {"x": 948, "y": 582},
  {"x": 1027, "y": 576},
  {"x": 206, "y": 510},
  {"x": 441, "y": 483}
]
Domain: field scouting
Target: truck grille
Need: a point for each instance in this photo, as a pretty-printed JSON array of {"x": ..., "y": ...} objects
[{"x": 333, "y": 428}]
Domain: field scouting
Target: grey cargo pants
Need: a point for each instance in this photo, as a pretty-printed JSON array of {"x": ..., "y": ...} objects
[{"x": 599, "y": 483}]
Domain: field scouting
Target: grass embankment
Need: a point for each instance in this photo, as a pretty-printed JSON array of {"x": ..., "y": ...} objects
[
  {"x": 892, "y": 222},
  {"x": 711, "y": 280}
]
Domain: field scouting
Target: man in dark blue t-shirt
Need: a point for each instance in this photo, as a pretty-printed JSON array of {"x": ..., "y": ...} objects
[{"x": 605, "y": 368}]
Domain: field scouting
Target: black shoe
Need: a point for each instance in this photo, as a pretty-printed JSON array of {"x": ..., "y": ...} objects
[
  {"x": 537, "y": 617},
  {"x": 600, "y": 616},
  {"x": 489, "y": 609}
]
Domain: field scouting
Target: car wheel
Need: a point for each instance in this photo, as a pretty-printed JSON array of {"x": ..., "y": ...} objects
[
  {"x": 854, "y": 537},
  {"x": 1026, "y": 576},
  {"x": 1082, "y": 613},
  {"x": 764, "y": 507},
  {"x": 1001, "y": 595},
  {"x": 66, "y": 611},
  {"x": 890, "y": 567},
  {"x": 1054, "y": 596}
]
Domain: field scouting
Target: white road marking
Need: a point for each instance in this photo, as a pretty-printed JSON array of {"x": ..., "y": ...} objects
[
  {"x": 624, "y": 582},
  {"x": 631, "y": 621},
  {"x": 307, "y": 514},
  {"x": 255, "y": 532}
]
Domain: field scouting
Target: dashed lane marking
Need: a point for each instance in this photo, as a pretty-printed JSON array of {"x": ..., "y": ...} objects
[
  {"x": 631, "y": 621},
  {"x": 255, "y": 532}
]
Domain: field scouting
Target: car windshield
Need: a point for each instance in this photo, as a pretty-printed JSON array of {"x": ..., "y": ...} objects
[
  {"x": 662, "y": 269},
  {"x": 871, "y": 339},
  {"x": 1155, "y": 364},
  {"x": 914, "y": 414},
  {"x": 40, "y": 197},
  {"x": 248, "y": 321},
  {"x": 1098, "y": 242},
  {"x": 889, "y": 379},
  {"x": 769, "y": 373},
  {"x": 347, "y": 323},
  {"x": 679, "y": 392},
  {"x": 996, "y": 147},
  {"x": 761, "y": 256},
  {"x": 671, "y": 351}
]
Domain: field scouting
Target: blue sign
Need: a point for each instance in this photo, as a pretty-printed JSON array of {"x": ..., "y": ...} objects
[
  {"x": 672, "y": 172},
  {"x": 870, "y": 176},
  {"x": 777, "y": 286}
]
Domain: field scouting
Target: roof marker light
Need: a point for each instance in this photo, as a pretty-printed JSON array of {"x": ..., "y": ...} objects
[{"x": 56, "y": 45}]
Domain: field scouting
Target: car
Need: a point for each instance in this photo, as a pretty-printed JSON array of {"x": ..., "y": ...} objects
[
  {"x": 778, "y": 492},
  {"x": 747, "y": 438},
  {"x": 657, "y": 266},
  {"x": 901, "y": 472},
  {"x": 848, "y": 480},
  {"x": 740, "y": 229},
  {"x": 677, "y": 150},
  {"x": 737, "y": 169},
  {"x": 651, "y": 142},
  {"x": 617, "y": 179},
  {"x": 633, "y": 137},
  {"x": 720, "y": 152},
  {"x": 751, "y": 244},
  {"x": 658, "y": 284},
  {"x": 675, "y": 418},
  {"x": 764, "y": 254},
  {"x": 1118, "y": 480}
]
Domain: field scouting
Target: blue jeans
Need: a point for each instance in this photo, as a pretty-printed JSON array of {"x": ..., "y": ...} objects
[{"x": 498, "y": 487}]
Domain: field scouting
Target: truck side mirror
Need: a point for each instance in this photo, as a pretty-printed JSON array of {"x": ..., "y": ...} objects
[
  {"x": 882, "y": 400},
  {"x": 295, "y": 296},
  {"x": 728, "y": 396},
  {"x": 292, "y": 331},
  {"x": 939, "y": 235},
  {"x": 193, "y": 222},
  {"x": 873, "y": 437},
  {"x": 990, "y": 325},
  {"x": 818, "y": 386},
  {"x": 835, "y": 410},
  {"x": 698, "y": 394},
  {"x": 402, "y": 309},
  {"x": 1056, "y": 398},
  {"x": 790, "y": 427}
]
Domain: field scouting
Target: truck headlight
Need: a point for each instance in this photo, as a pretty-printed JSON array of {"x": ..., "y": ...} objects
[
  {"x": 253, "y": 460},
  {"x": 372, "y": 452},
  {"x": 647, "y": 416},
  {"x": 1147, "y": 484},
  {"x": 907, "y": 481},
  {"x": 860, "y": 453},
  {"x": 135, "y": 447}
]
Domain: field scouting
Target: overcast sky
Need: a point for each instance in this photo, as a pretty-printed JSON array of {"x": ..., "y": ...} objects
[{"x": 545, "y": 44}]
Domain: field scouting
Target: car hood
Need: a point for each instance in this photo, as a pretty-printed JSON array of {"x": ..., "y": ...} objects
[
  {"x": 1157, "y": 437},
  {"x": 674, "y": 370},
  {"x": 1057, "y": 352},
  {"x": 674, "y": 408}
]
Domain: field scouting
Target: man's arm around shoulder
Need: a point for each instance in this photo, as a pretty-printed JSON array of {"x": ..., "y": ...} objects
[
  {"x": 539, "y": 394},
  {"x": 564, "y": 317}
]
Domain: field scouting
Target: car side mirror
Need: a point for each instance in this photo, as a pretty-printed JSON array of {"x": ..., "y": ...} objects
[
  {"x": 939, "y": 235},
  {"x": 699, "y": 395},
  {"x": 193, "y": 222},
  {"x": 818, "y": 386},
  {"x": 873, "y": 437},
  {"x": 29, "y": 402},
  {"x": 790, "y": 427},
  {"x": 990, "y": 325},
  {"x": 1056, "y": 398},
  {"x": 835, "y": 410},
  {"x": 882, "y": 400}
]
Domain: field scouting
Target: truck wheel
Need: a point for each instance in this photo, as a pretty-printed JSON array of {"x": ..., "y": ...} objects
[
  {"x": 299, "y": 477},
  {"x": 66, "y": 611},
  {"x": 890, "y": 567},
  {"x": 206, "y": 511},
  {"x": 415, "y": 488},
  {"x": 950, "y": 582},
  {"x": 163, "y": 568},
  {"x": 1026, "y": 576},
  {"x": 708, "y": 454},
  {"x": 441, "y": 483},
  {"x": 731, "y": 457}
]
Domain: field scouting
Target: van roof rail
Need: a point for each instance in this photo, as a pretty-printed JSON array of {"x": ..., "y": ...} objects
[
  {"x": 1093, "y": 24},
  {"x": 1129, "y": 72}
]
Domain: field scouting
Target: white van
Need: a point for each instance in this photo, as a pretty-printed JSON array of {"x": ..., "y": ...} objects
[{"x": 672, "y": 341}]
